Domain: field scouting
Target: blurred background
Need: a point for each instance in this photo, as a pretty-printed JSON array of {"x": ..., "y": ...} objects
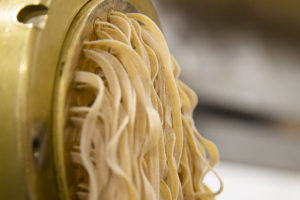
[{"x": 243, "y": 60}]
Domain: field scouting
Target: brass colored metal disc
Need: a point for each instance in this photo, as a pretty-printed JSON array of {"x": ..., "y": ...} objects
[{"x": 40, "y": 44}]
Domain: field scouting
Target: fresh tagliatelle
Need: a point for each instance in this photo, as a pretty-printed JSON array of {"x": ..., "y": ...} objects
[{"x": 133, "y": 134}]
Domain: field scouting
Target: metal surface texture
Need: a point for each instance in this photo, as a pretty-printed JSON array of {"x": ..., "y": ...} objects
[{"x": 40, "y": 41}]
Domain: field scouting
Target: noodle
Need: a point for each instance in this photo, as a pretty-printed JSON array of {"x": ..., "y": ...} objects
[{"x": 135, "y": 136}]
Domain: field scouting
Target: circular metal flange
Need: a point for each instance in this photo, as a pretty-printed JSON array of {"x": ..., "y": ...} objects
[{"x": 40, "y": 41}]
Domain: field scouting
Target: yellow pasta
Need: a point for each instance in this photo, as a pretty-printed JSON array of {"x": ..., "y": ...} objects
[{"x": 134, "y": 135}]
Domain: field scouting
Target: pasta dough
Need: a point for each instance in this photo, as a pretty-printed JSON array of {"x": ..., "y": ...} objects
[{"x": 134, "y": 135}]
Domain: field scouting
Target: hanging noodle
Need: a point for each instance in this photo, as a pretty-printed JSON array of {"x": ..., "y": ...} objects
[{"x": 136, "y": 138}]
